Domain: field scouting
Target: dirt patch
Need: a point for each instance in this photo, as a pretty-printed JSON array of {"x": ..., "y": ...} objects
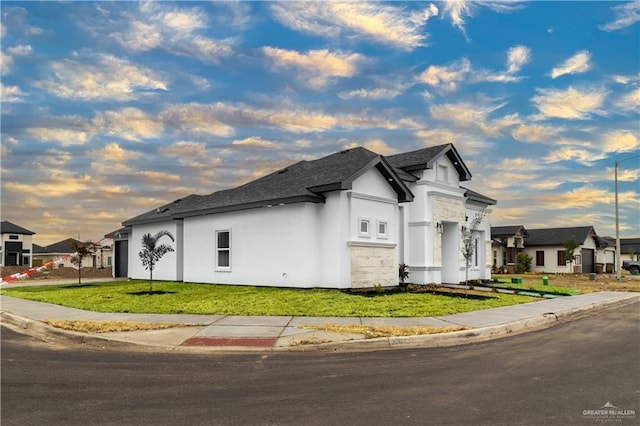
[
  {"x": 581, "y": 282},
  {"x": 61, "y": 273}
]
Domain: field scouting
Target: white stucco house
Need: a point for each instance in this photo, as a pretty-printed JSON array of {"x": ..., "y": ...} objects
[
  {"x": 16, "y": 245},
  {"x": 345, "y": 221},
  {"x": 548, "y": 252}
]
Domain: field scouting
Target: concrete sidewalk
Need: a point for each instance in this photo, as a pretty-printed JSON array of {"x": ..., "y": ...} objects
[{"x": 290, "y": 333}]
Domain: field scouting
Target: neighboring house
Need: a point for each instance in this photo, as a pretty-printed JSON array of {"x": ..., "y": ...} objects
[
  {"x": 547, "y": 250},
  {"x": 508, "y": 242},
  {"x": 343, "y": 221},
  {"x": 16, "y": 245},
  {"x": 629, "y": 248},
  {"x": 61, "y": 251}
]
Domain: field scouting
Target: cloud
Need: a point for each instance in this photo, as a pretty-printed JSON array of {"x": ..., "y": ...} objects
[
  {"x": 627, "y": 14},
  {"x": 629, "y": 101},
  {"x": 317, "y": 67},
  {"x": 584, "y": 197},
  {"x": 175, "y": 30},
  {"x": 56, "y": 184},
  {"x": 373, "y": 94},
  {"x": 570, "y": 104},
  {"x": 535, "y": 133},
  {"x": 458, "y": 10},
  {"x": 620, "y": 141},
  {"x": 7, "y": 58},
  {"x": 113, "y": 152},
  {"x": 567, "y": 153},
  {"x": 577, "y": 64},
  {"x": 376, "y": 145},
  {"x": 9, "y": 94},
  {"x": 446, "y": 78},
  {"x": 470, "y": 115},
  {"x": 129, "y": 123},
  {"x": 255, "y": 142},
  {"x": 381, "y": 23},
  {"x": 159, "y": 178},
  {"x": 517, "y": 57},
  {"x": 197, "y": 118},
  {"x": 101, "y": 77},
  {"x": 184, "y": 149},
  {"x": 65, "y": 137}
]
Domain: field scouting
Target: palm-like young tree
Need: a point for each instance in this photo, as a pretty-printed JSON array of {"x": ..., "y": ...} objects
[{"x": 152, "y": 252}]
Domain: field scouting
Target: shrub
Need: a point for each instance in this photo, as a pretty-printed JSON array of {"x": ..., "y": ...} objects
[{"x": 523, "y": 263}]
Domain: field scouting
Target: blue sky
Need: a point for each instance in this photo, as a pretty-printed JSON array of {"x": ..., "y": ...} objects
[{"x": 110, "y": 109}]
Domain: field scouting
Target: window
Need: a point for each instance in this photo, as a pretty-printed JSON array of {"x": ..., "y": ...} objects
[
  {"x": 443, "y": 173},
  {"x": 577, "y": 259},
  {"x": 475, "y": 253},
  {"x": 540, "y": 258},
  {"x": 223, "y": 250},
  {"x": 562, "y": 258},
  {"x": 382, "y": 229},
  {"x": 108, "y": 260},
  {"x": 364, "y": 227},
  {"x": 14, "y": 237}
]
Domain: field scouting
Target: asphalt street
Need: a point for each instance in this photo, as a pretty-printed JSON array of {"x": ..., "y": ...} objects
[{"x": 557, "y": 376}]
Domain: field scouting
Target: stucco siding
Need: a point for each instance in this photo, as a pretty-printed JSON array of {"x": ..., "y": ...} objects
[
  {"x": 169, "y": 267},
  {"x": 274, "y": 246}
]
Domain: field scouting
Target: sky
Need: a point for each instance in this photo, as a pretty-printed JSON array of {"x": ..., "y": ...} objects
[{"x": 110, "y": 109}]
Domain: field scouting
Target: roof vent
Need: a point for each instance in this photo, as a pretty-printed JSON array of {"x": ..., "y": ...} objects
[
  {"x": 283, "y": 171},
  {"x": 177, "y": 201}
]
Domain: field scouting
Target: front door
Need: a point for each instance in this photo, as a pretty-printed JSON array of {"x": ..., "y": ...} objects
[{"x": 121, "y": 258}]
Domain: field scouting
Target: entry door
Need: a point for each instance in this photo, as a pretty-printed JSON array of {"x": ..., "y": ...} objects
[
  {"x": 588, "y": 261},
  {"x": 122, "y": 258}
]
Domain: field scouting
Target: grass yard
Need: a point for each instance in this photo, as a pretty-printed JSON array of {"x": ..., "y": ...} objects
[{"x": 186, "y": 298}]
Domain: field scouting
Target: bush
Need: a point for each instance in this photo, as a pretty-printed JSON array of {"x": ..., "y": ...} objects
[{"x": 523, "y": 263}]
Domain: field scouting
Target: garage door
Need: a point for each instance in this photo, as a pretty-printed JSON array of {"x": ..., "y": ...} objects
[{"x": 588, "y": 261}]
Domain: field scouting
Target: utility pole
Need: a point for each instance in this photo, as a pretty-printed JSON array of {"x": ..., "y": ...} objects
[{"x": 618, "y": 264}]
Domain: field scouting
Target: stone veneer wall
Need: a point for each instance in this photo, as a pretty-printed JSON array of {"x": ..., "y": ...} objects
[{"x": 372, "y": 265}]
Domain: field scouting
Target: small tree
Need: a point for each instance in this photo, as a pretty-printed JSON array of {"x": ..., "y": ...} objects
[
  {"x": 403, "y": 273},
  {"x": 468, "y": 241},
  {"x": 81, "y": 250},
  {"x": 152, "y": 252},
  {"x": 523, "y": 263},
  {"x": 570, "y": 246}
]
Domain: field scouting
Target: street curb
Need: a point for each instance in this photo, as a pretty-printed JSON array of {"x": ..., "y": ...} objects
[
  {"x": 475, "y": 335},
  {"x": 40, "y": 329}
]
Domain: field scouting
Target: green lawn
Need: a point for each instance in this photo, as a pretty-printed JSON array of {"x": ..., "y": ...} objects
[
  {"x": 172, "y": 298},
  {"x": 505, "y": 282}
]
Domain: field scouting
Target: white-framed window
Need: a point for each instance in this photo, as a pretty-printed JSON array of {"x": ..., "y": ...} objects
[
  {"x": 364, "y": 227},
  {"x": 383, "y": 229},
  {"x": 223, "y": 250},
  {"x": 443, "y": 173}
]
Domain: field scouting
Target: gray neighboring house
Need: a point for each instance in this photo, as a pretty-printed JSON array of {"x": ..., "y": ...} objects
[{"x": 16, "y": 245}]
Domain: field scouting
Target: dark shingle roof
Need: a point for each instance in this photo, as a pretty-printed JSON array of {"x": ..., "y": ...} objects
[
  {"x": 61, "y": 247},
  {"x": 7, "y": 227},
  {"x": 557, "y": 236},
  {"x": 476, "y": 196},
  {"x": 508, "y": 231},
  {"x": 424, "y": 158},
  {"x": 300, "y": 182},
  {"x": 629, "y": 245}
]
